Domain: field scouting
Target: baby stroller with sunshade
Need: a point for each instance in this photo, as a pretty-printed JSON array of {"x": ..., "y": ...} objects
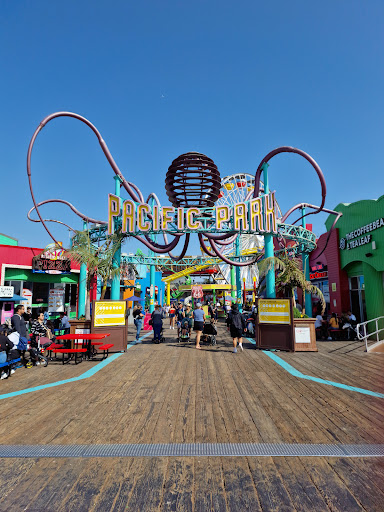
[
  {"x": 209, "y": 333},
  {"x": 184, "y": 330}
]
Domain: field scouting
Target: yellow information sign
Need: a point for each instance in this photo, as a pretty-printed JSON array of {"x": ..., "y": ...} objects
[
  {"x": 109, "y": 313},
  {"x": 274, "y": 311}
]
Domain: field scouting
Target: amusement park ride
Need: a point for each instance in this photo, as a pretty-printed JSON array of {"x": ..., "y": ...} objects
[{"x": 235, "y": 218}]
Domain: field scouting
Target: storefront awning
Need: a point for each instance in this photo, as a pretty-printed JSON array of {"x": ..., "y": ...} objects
[{"x": 15, "y": 298}]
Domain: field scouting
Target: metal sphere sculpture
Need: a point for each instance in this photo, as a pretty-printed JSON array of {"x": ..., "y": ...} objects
[{"x": 193, "y": 180}]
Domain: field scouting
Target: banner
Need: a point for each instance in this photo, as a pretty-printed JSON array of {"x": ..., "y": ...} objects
[
  {"x": 274, "y": 311},
  {"x": 109, "y": 314}
]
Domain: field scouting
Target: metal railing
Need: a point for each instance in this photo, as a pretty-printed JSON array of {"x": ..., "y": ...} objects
[{"x": 362, "y": 334}]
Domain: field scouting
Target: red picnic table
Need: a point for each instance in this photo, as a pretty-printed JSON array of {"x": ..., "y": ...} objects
[{"x": 88, "y": 337}]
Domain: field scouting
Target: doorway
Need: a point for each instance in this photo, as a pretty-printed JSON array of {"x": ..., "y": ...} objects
[{"x": 357, "y": 296}]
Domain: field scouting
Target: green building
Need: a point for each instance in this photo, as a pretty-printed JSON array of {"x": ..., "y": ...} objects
[
  {"x": 8, "y": 240},
  {"x": 361, "y": 246}
]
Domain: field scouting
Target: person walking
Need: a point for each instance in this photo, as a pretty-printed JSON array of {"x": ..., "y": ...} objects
[
  {"x": 237, "y": 326},
  {"x": 188, "y": 315},
  {"x": 138, "y": 317},
  {"x": 157, "y": 323},
  {"x": 215, "y": 314},
  {"x": 172, "y": 315},
  {"x": 199, "y": 319}
]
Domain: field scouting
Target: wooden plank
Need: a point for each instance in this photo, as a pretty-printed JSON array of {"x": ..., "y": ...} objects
[
  {"x": 353, "y": 375},
  {"x": 29, "y": 485},
  {"x": 303, "y": 493},
  {"x": 342, "y": 428},
  {"x": 209, "y": 492},
  {"x": 184, "y": 431},
  {"x": 12, "y": 473},
  {"x": 272, "y": 493},
  {"x": 178, "y": 485},
  {"x": 148, "y": 488},
  {"x": 240, "y": 488},
  {"x": 366, "y": 407},
  {"x": 333, "y": 490},
  {"x": 55, "y": 485},
  {"x": 361, "y": 485}
]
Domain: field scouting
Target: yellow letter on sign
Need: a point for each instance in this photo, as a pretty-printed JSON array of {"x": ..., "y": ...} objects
[
  {"x": 269, "y": 213},
  {"x": 128, "y": 216},
  {"x": 240, "y": 216},
  {"x": 191, "y": 223},
  {"x": 113, "y": 211},
  {"x": 141, "y": 210},
  {"x": 256, "y": 215},
  {"x": 167, "y": 216},
  {"x": 222, "y": 215}
]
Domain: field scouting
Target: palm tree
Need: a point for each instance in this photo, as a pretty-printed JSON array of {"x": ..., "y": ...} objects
[
  {"x": 99, "y": 260},
  {"x": 289, "y": 276}
]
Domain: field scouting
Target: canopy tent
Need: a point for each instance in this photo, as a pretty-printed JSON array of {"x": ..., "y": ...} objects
[{"x": 134, "y": 299}]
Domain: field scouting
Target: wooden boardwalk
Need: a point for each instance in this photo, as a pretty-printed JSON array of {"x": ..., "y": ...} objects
[{"x": 173, "y": 393}]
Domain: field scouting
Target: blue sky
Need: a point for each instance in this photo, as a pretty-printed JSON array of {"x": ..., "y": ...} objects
[{"x": 232, "y": 80}]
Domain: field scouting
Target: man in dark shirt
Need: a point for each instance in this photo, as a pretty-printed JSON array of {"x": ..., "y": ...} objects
[
  {"x": 18, "y": 322},
  {"x": 27, "y": 316}
]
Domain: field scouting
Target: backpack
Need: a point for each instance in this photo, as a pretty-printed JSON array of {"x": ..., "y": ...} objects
[{"x": 237, "y": 321}]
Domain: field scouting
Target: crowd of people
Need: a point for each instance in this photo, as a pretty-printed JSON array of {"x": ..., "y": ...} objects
[
  {"x": 328, "y": 328},
  {"x": 184, "y": 318},
  {"x": 21, "y": 335}
]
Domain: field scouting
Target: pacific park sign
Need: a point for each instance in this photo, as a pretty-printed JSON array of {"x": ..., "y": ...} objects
[{"x": 255, "y": 216}]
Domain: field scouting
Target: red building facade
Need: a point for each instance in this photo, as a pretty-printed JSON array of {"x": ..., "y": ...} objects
[{"x": 326, "y": 273}]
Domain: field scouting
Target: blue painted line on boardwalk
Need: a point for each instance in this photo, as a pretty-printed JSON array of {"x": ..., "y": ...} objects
[
  {"x": 290, "y": 369},
  {"x": 89, "y": 373}
]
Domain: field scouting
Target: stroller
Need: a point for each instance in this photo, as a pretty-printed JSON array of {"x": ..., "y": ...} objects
[
  {"x": 209, "y": 334},
  {"x": 37, "y": 350},
  {"x": 183, "y": 330},
  {"x": 31, "y": 354}
]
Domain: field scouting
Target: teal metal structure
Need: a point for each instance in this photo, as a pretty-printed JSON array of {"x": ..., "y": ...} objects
[
  {"x": 82, "y": 285},
  {"x": 305, "y": 259},
  {"x": 115, "y": 286},
  {"x": 238, "y": 280},
  {"x": 268, "y": 245},
  {"x": 152, "y": 270}
]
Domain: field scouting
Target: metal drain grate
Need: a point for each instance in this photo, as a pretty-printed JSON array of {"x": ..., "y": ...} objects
[{"x": 194, "y": 450}]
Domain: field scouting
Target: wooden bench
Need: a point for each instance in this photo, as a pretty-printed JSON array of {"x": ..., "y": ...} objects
[
  {"x": 105, "y": 349},
  {"x": 70, "y": 352},
  {"x": 7, "y": 365}
]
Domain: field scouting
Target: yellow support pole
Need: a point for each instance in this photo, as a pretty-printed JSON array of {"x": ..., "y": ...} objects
[{"x": 168, "y": 292}]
